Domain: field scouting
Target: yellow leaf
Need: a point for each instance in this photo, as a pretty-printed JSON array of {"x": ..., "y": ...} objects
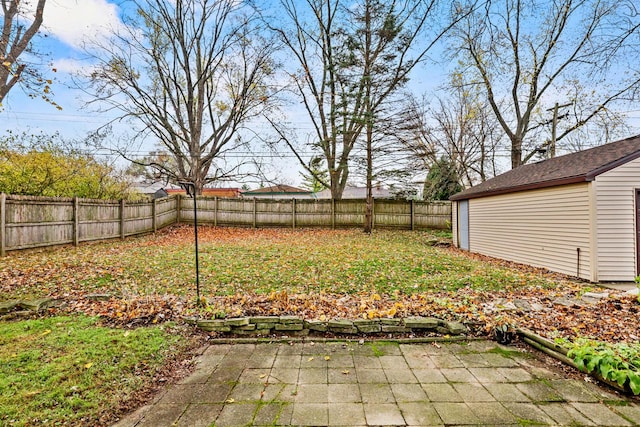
[
  {"x": 263, "y": 376},
  {"x": 310, "y": 359},
  {"x": 327, "y": 358},
  {"x": 230, "y": 400},
  {"x": 88, "y": 365},
  {"x": 345, "y": 372},
  {"x": 47, "y": 332}
]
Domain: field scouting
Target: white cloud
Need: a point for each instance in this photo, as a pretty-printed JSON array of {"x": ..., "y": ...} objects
[
  {"x": 72, "y": 66},
  {"x": 75, "y": 22}
]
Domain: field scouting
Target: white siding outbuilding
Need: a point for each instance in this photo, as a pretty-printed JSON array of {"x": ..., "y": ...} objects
[{"x": 575, "y": 214}]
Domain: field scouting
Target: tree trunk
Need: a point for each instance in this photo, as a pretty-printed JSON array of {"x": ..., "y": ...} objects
[
  {"x": 516, "y": 151},
  {"x": 368, "y": 216}
]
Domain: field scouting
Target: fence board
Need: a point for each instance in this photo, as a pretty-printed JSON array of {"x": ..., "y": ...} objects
[{"x": 29, "y": 222}]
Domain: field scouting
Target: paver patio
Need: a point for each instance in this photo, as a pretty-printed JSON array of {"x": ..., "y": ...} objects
[{"x": 379, "y": 384}]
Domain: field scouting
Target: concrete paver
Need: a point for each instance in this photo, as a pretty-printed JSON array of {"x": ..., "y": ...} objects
[
  {"x": 492, "y": 413},
  {"x": 457, "y": 413},
  {"x": 574, "y": 391},
  {"x": 378, "y": 383},
  {"x": 566, "y": 415},
  {"x": 420, "y": 414},
  {"x": 383, "y": 414},
  {"x": 346, "y": 414},
  {"x": 600, "y": 414},
  {"x": 310, "y": 414}
]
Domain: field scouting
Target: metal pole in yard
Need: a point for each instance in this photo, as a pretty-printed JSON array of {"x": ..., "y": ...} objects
[
  {"x": 190, "y": 188},
  {"x": 195, "y": 228}
]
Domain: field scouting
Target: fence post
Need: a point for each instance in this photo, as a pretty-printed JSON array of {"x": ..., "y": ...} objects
[
  {"x": 215, "y": 211},
  {"x": 122, "y": 204},
  {"x": 293, "y": 212},
  {"x": 178, "y": 207},
  {"x": 3, "y": 223},
  {"x": 373, "y": 213},
  {"x": 413, "y": 219},
  {"x": 154, "y": 215},
  {"x": 76, "y": 222},
  {"x": 255, "y": 212},
  {"x": 333, "y": 213}
]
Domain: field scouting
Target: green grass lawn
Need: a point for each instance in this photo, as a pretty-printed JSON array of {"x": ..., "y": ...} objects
[
  {"x": 72, "y": 371},
  {"x": 260, "y": 261}
]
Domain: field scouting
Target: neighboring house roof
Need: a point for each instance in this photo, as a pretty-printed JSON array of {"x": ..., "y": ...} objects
[
  {"x": 212, "y": 192},
  {"x": 357, "y": 193},
  {"x": 572, "y": 168},
  {"x": 149, "y": 188},
  {"x": 276, "y": 189}
]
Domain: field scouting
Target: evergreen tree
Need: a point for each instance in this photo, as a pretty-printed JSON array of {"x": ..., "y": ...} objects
[
  {"x": 314, "y": 180},
  {"x": 442, "y": 181}
]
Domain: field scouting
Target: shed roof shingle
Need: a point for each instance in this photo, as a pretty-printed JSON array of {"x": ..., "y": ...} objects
[{"x": 568, "y": 169}]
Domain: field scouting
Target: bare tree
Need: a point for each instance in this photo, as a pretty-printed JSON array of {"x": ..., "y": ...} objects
[
  {"x": 527, "y": 55},
  {"x": 350, "y": 58},
  {"x": 18, "y": 30},
  {"x": 192, "y": 73},
  {"x": 460, "y": 128}
]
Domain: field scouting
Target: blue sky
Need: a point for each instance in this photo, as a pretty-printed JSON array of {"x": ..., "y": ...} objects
[
  {"x": 70, "y": 23},
  {"x": 67, "y": 25}
]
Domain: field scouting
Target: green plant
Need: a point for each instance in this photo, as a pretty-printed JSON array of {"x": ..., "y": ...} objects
[{"x": 619, "y": 362}]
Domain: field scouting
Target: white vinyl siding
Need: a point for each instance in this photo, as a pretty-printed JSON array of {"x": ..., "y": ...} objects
[
  {"x": 454, "y": 223},
  {"x": 540, "y": 227},
  {"x": 615, "y": 207}
]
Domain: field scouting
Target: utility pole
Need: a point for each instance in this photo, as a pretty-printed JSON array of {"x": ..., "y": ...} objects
[{"x": 554, "y": 125}]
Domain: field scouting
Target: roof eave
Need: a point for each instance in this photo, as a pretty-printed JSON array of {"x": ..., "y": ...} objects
[
  {"x": 532, "y": 186},
  {"x": 621, "y": 161}
]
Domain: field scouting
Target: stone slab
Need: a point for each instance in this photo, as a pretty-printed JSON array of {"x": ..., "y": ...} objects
[{"x": 421, "y": 322}]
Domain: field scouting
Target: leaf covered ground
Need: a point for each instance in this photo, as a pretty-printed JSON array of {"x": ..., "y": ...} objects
[{"x": 315, "y": 274}]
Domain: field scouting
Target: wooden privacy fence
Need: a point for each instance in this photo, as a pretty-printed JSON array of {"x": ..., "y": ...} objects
[
  {"x": 402, "y": 214},
  {"x": 30, "y": 222}
]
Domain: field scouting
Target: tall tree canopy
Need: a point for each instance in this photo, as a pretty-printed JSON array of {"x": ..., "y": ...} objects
[
  {"x": 529, "y": 56},
  {"x": 348, "y": 58},
  {"x": 192, "y": 73}
]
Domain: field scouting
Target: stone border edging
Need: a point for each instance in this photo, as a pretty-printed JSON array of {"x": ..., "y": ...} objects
[{"x": 296, "y": 326}]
